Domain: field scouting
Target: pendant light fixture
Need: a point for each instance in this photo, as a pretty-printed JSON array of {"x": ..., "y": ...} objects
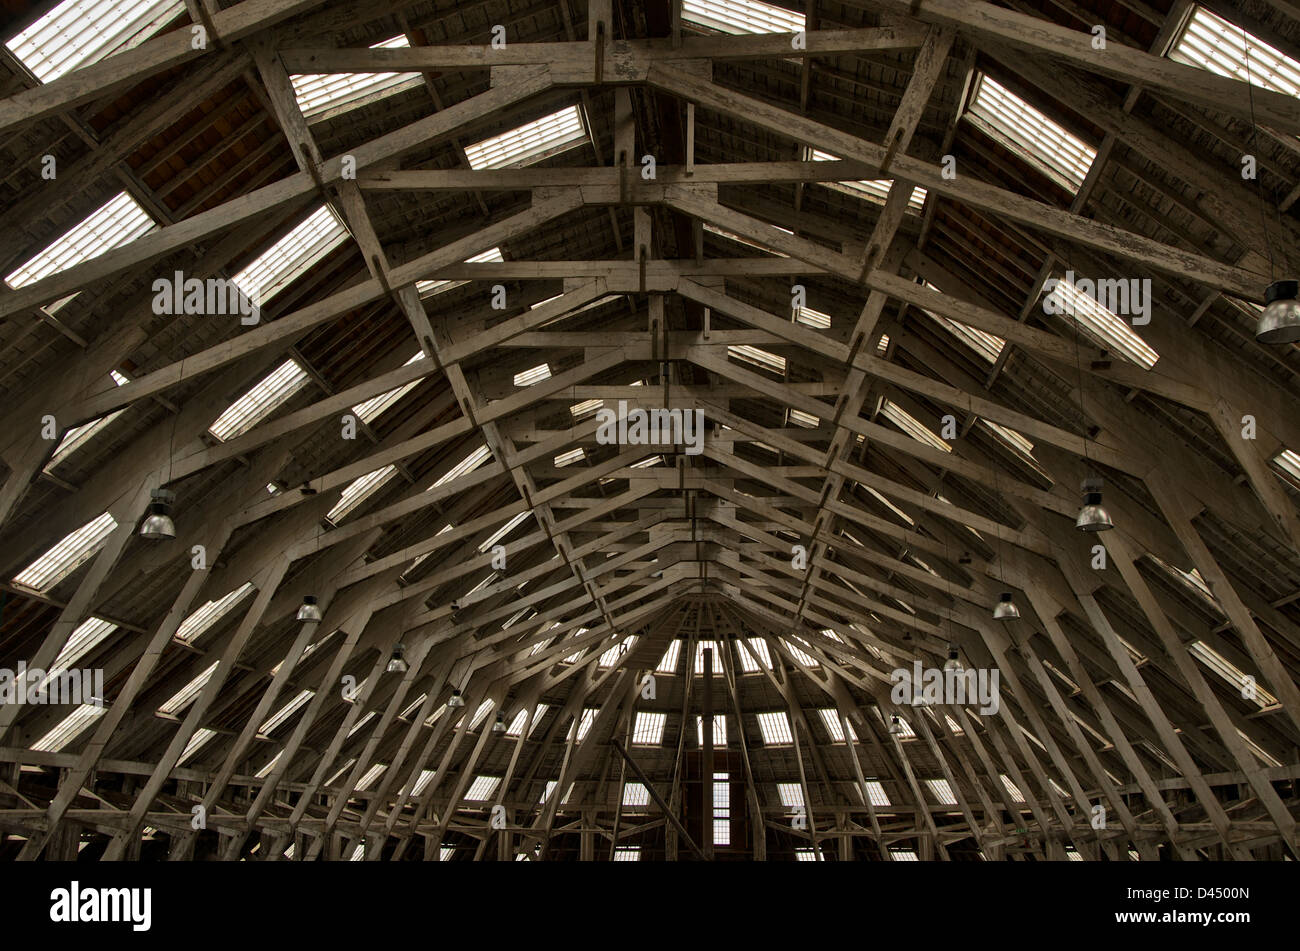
[
  {"x": 1006, "y": 609},
  {"x": 499, "y": 726},
  {"x": 1093, "y": 517},
  {"x": 310, "y": 610},
  {"x": 397, "y": 663},
  {"x": 953, "y": 662},
  {"x": 895, "y": 726},
  {"x": 1280, "y": 321},
  {"x": 456, "y": 700},
  {"x": 158, "y": 524}
]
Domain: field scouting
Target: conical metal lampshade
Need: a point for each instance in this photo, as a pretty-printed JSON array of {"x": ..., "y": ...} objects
[
  {"x": 397, "y": 663},
  {"x": 310, "y": 610},
  {"x": 1005, "y": 609},
  {"x": 158, "y": 524},
  {"x": 895, "y": 726},
  {"x": 1280, "y": 321},
  {"x": 456, "y": 699},
  {"x": 953, "y": 662}
]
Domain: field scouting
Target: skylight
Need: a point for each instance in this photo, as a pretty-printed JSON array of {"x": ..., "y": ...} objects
[
  {"x": 503, "y": 531},
  {"x": 612, "y": 656},
  {"x": 649, "y": 728},
  {"x": 480, "y": 714},
  {"x": 1029, "y": 133},
  {"x": 531, "y": 142},
  {"x": 721, "y": 808},
  {"x": 941, "y": 791},
  {"x": 490, "y": 256},
  {"x": 421, "y": 784},
  {"x": 719, "y": 730},
  {"x": 791, "y": 795},
  {"x": 292, "y": 256},
  {"x": 635, "y": 794},
  {"x": 1234, "y": 675},
  {"x": 812, "y": 318},
  {"x": 67, "y": 556},
  {"x": 741, "y": 16},
  {"x": 876, "y": 793},
  {"x": 903, "y": 855},
  {"x": 1212, "y": 43},
  {"x": 196, "y": 743},
  {"x": 209, "y": 614},
  {"x": 1100, "y": 323},
  {"x": 876, "y": 190},
  {"x": 318, "y": 93},
  {"x": 183, "y": 697},
  {"x": 482, "y": 788},
  {"x": 550, "y": 787},
  {"x": 1288, "y": 463},
  {"x": 627, "y": 853},
  {"x": 759, "y": 358},
  {"x": 69, "y": 728},
  {"x": 1012, "y": 789},
  {"x": 805, "y": 420},
  {"x": 534, "y": 375},
  {"x": 465, "y": 466},
  {"x": 516, "y": 727},
  {"x": 259, "y": 402},
  {"x": 369, "y": 776},
  {"x": 668, "y": 663},
  {"x": 775, "y": 728},
  {"x": 371, "y": 408},
  {"x": 279, "y": 718},
  {"x": 753, "y": 652},
  {"x": 116, "y": 223},
  {"x": 80, "y": 32},
  {"x": 78, "y": 436},
  {"x": 803, "y": 658},
  {"x": 805, "y": 855},
  {"x": 358, "y": 491},
  {"x": 831, "y": 720},
  {"x": 700, "y": 647},
  {"x": 85, "y": 637},
  {"x": 749, "y": 243},
  {"x": 583, "y": 724},
  {"x": 912, "y": 426}
]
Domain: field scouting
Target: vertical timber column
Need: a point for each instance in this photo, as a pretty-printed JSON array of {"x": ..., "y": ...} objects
[{"x": 706, "y": 769}]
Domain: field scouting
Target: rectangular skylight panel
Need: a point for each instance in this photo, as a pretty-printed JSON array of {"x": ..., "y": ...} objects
[
  {"x": 1012, "y": 789},
  {"x": 531, "y": 142},
  {"x": 211, "y": 612},
  {"x": 358, "y": 491},
  {"x": 831, "y": 720},
  {"x": 569, "y": 458},
  {"x": 259, "y": 402},
  {"x": 700, "y": 647},
  {"x": 292, "y": 256},
  {"x": 1025, "y": 130},
  {"x": 616, "y": 653},
  {"x": 482, "y": 788},
  {"x": 465, "y": 466},
  {"x": 635, "y": 794},
  {"x": 369, "y": 410},
  {"x": 196, "y": 743},
  {"x": 791, "y": 795},
  {"x": 805, "y": 855},
  {"x": 741, "y": 16},
  {"x": 803, "y": 658},
  {"x": 747, "y": 242},
  {"x": 903, "y": 855},
  {"x": 876, "y": 793},
  {"x": 941, "y": 792},
  {"x": 584, "y": 723},
  {"x": 481, "y": 713},
  {"x": 649, "y": 728},
  {"x": 360, "y": 724},
  {"x": 668, "y": 663},
  {"x": 421, "y": 784},
  {"x": 876, "y": 190},
  {"x": 533, "y": 375},
  {"x": 1101, "y": 324},
  {"x": 279, "y": 718},
  {"x": 78, "y": 436},
  {"x": 912, "y": 426},
  {"x": 183, "y": 697},
  {"x": 775, "y": 728},
  {"x": 1288, "y": 463},
  {"x": 333, "y": 92},
  {"x": 759, "y": 358},
  {"x": 427, "y": 287},
  {"x": 85, "y": 637},
  {"x": 120, "y": 221},
  {"x": 1234, "y": 675},
  {"x": 758, "y": 653},
  {"x": 69, "y": 728},
  {"x": 80, "y": 32},
  {"x": 627, "y": 853},
  {"x": 719, "y": 730},
  {"x": 805, "y": 420},
  {"x": 368, "y": 778},
  {"x": 579, "y": 410},
  {"x": 67, "y": 556},
  {"x": 1212, "y": 43},
  {"x": 721, "y": 809},
  {"x": 812, "y": 318},
  {"x": 503, "y": 531}
]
